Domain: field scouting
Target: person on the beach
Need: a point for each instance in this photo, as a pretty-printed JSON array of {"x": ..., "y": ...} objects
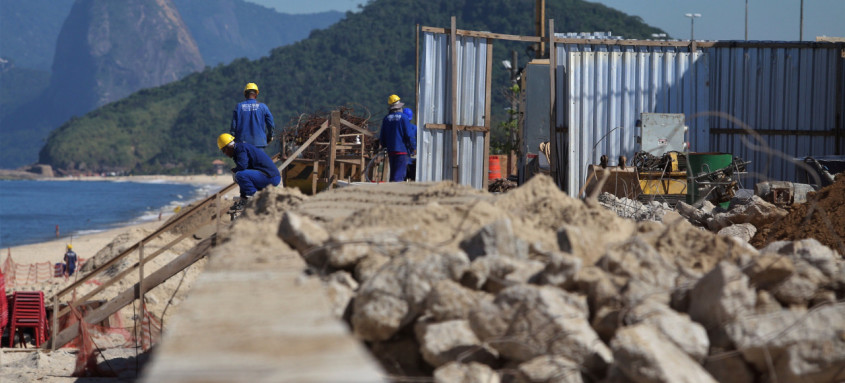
[
  {"x": 252, "y": 121},
  {"x": 70, "y": 260},
  {"x": 253, "y": 170},
  {"x": 396, "y": 137}
]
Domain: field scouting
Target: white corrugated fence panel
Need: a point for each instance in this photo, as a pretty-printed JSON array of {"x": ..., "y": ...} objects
[{"x": 434, "y": 148}]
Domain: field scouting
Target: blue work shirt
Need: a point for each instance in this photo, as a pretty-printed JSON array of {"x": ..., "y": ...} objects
[
  {"x": 70, "y": 259},
  {"x": 247, "y": 156},
  {"x": 252, "y": 122},
  {"x": 396, "y": 134}
]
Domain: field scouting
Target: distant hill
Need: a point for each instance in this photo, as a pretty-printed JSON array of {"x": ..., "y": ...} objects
[
  {"x": 28, "y": 31},
  {"x": 360, "y": 60},
  {"x": 89, "y": 72},
  {"x": 230, "y": 29}
]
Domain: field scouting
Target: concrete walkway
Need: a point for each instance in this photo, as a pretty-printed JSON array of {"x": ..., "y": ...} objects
[{"x": 254, "y": 316}]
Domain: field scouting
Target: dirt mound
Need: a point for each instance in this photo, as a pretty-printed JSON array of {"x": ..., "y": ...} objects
[{"x": 822, "y": 218}]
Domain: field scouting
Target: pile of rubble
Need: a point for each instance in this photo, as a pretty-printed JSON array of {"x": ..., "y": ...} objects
[
  {"x": 633, "y": 209},
  {"x": 534, "y": 286}
]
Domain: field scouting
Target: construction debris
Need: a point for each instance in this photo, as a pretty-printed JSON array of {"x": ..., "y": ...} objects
[
  {"x": 533, "y": 285},
  {"x": 303, "y": 127}
]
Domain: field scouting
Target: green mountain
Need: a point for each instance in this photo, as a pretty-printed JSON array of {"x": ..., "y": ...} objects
[{"x": 359, "y": 61}]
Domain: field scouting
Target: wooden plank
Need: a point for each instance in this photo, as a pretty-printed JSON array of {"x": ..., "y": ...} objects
[
  {"x": 129, "y": 295},
  {"x": 488, "y": 100},
  {"x": 356, "y": 127},
  {"x": 458, "y": 127},
  {"x": 539, "y": 28},
  {"x": 417, "y": 79},
  {"x": 483, "y": 35},
  {"x": 304, "y": 146},
  {"x": 316, "y": 173},
  {"x": 334, "y": 125},
  {"x": 126, "y": 272},
  {"x": 453, "y": 57},
  {"x": 552, "y": 116}
]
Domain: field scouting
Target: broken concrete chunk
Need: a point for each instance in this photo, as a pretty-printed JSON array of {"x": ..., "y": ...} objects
[
  {"x": 473, "y": 372},
  {"x": 676, "y": 327},
  {"x": 549, "y": 369},
  {"x": 450, "y": 341},
  {"x": 645, "y": 355},
  {"x": 742, "y": 231},
  {"x": 721, "y": 296},
  {"x": 560, "y": 269},
  {"x": 346, "y": 248},
  {"x": 340, "y": 288},
  {"x": 495, "y": 240},
  {"x": 449, "y": 300},
  {"x": 526, "y": 321},
  {"x": 396, "y": 296},
  {"x": 301, "y": 233},
  {"x": 769, "y": 269}
]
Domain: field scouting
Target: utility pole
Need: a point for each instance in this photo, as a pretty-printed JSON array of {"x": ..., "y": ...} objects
[
  {"x": 801, "y": 27},
  {"x": 746, "y": 20},
  {"x": 692, "y": 17},
  {"x": 540, "y": 25}
]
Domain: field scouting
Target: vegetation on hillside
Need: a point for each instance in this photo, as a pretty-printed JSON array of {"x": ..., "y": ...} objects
[{"x": 359, "y": 60}]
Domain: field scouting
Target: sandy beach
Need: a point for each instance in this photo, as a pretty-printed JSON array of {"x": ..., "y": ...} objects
[{"x": 86, "y": 246}]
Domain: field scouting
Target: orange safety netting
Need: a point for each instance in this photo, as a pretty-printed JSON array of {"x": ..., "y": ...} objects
[{"x": 18, "y": 274}]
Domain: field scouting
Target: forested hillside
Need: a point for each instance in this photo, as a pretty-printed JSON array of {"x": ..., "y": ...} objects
[{"x": 360, "y": 60}]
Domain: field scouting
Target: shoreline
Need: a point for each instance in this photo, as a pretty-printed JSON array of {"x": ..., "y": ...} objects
[{"x": 87, "y": 245}]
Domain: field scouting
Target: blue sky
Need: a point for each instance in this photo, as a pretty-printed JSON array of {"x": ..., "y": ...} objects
[{"x": 721, "y": 19}]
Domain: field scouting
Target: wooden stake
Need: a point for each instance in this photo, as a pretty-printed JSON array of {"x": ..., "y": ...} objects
[{"x": 453, "y": 38}]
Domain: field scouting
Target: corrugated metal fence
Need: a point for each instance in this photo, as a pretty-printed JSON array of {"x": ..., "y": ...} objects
[
  {"x": 434, "y": 146},
  {"x": 791, "y": 95}
]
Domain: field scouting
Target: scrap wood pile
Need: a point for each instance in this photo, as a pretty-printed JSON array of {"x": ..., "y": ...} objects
[
  {"x": 444, "y": 281},
  {"x": 303, "y": 127}
]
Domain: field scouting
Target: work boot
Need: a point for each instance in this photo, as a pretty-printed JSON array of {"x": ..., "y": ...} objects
[{"x": 239, "y": 204}]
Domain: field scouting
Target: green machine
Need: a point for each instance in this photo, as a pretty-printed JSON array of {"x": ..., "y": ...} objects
[{"x": 713, "y": 177}]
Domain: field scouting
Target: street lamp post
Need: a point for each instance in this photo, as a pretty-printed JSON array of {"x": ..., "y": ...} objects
[{"x": 692, "y": 17}]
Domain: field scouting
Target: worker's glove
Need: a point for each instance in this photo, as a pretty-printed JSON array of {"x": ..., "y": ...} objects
[{"x": 269, "y": 138}]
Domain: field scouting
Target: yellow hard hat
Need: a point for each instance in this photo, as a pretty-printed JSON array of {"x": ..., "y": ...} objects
[
  {"x": 224, "y": 139},
  {"x": 393, "y": 99},
  {"x": 69, "y": 246},
  {"x": 251, "y": 86}
]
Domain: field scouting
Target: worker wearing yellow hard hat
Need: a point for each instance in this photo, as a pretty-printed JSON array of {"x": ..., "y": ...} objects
[
  {"x": 70, "y": 260},
  {"x": 252, "y": 121},
  {"x": 396, "y": 136},
  {"x": 254, "y": 170}
]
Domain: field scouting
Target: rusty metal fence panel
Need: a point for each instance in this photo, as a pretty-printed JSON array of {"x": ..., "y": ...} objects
[{"x": 434, "y": 146}]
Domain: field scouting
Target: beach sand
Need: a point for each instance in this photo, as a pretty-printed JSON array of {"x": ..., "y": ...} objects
[{"x": 86, "y": 246}]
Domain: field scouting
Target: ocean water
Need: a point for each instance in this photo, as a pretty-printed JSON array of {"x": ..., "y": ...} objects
[{"x": 30, "y": 210}]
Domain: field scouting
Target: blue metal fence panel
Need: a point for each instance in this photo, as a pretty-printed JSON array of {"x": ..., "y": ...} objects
[
  {"x": 789, "y": 88},
  {"x": 434, "y": 148},
  {"x": 602, "y": 89}
]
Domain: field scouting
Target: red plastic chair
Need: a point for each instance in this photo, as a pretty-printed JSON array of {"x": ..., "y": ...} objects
[{"x": 28, "y": 311}]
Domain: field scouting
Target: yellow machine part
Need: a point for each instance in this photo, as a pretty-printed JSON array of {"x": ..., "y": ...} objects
[{"x": 663, "y": 183}]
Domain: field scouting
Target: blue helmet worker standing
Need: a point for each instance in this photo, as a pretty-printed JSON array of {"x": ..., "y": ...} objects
[
  {"x": 396, "y": 136},
  {"x": 253, "y": 170},
  {"x": 252, "y": 121},
  {"x": 70, "y": 260}
]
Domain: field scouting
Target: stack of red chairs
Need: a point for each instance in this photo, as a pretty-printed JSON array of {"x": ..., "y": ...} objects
[{"x": 28, "y": 311}]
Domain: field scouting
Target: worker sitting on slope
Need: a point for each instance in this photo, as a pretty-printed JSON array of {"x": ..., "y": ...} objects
[
  {"x": 396, "y": 137},
  {"x": 253, "y": 170}
]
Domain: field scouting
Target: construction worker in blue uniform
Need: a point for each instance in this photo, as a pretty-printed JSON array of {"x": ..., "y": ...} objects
[
  {"x": 252, "y": 121},
  {"x": 253, "y": 170},
  {"x": 397, "y": 138},
  {"x": 70, "y": 260}
]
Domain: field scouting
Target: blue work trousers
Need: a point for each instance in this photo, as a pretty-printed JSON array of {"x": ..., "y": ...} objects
[
  {"x": 251, "y": 181},
  {"x": 398, "y": 166}
]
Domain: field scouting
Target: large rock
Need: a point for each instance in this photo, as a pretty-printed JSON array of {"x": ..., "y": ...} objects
[
  {"x": 758, "y": 213},
  {"x": 769, "y": 269},
  {"x": 721, "y": 296},
  {"x": 369, "y": 266},
  {"x": 492, "y": 274},
  {"x": 645, "y": 268},
  {"x": 560, "y": 269},
  {"x": 450, "y": 341},
  {"x": 395, "y": 296},
  {"x": 817, "y": 269},
  {"x": 302, "y": 234},
  {"x": 495, "y": 239},
  {"x": 677, "y": 328},
  {"x": 742, "y": 231},
  {"x": 645, "y": 355},
  {"x": 340, "y": 288},
  {"x": 729, "y": 367},
  {"x": 802, "y": 346},
  {"x": 549, "y": 369},
  {"x": 473, "y": 372},
  {"x": 347, "y": 247},
  {"x": 449, "y": 300},
  {"x": 527, "y": 321}
]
